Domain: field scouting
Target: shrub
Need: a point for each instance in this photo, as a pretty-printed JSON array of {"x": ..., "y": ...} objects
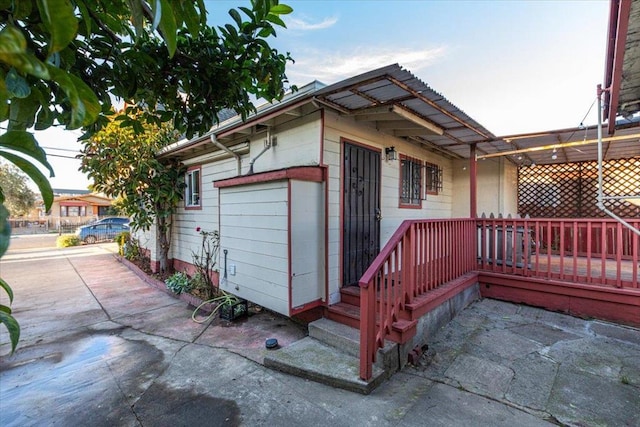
[
  {"x": 178, "y": 283},
  {"x": 67, "y": 240}
]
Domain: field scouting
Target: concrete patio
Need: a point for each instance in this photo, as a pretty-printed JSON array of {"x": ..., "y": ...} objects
[{"x": 101, "y": 347}]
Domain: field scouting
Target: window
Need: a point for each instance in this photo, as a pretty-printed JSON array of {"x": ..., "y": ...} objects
[
  {"x": 192, "y": 192},
  {"x": 434, "y": 178},
  {"x": 410, "y": 182}
]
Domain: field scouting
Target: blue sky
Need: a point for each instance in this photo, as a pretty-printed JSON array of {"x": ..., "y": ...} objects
[{"x": 513, "y": 66}]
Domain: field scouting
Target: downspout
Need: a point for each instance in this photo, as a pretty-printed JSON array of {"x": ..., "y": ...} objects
[
  {"x": 223, "y": 147},
  {"x": 600, "y": 196}
]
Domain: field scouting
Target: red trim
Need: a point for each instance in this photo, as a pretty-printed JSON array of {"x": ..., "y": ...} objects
[
  {"x": 294, "y": 311},
  {"x": 326, "y": 209},
  {"x": 340, "y": 217},
  {"x": 190, "y": 269},
  {"x": 303, "y": 173},
  {"x": 414, "y": 160},
  {"x": 617, "y": 40},
  {"x": 289, "y": 268},
  {"x": 473, "y": 182},
  {"x": 199, "y": 205}
]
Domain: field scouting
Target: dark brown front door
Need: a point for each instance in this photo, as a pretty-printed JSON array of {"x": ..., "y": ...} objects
[{"x": 361, "y": 215}]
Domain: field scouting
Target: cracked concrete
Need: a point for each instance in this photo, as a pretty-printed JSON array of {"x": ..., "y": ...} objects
[{"x": 100, "y": 347}]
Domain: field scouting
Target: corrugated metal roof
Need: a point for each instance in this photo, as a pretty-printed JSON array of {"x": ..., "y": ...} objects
[{"x": 366, "y": 95}]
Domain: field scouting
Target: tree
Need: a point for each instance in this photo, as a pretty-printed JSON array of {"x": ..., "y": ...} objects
[
  {"x": 62, "y": 62},
  {"x": 123, "y": 164},
  {"x": 19, "y": 198}
]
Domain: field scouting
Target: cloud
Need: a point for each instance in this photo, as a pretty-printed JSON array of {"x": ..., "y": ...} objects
[
  {"x": 301, "y": 24},
  {"x": 329, "y": 66}
]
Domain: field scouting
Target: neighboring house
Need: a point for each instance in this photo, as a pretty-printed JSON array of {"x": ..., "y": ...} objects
[
  {"x": 80, "y": 206},
  {"x": 306, "y": 192}
]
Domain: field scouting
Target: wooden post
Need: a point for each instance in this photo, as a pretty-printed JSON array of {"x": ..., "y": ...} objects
[{"x": 473, "y": 182}]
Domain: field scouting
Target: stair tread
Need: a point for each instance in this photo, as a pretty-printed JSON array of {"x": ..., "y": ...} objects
[{"x": 310, "y": 358}]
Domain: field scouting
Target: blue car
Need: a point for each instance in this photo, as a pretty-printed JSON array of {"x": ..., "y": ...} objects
[
  {"x": 113, "y": 220},
  {"x": 100, "y": 232}
]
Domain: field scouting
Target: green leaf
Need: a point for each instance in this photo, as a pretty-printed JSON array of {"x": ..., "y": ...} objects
[
  {"x": 88, "y": 98},
  {"x": 4, "y": 285},
  {"x": 22, "y": 112},
  {"x": 13, "y": 327},
  {"x": 168, "y": 27},
  {"x": 86, "y": 17},
  {"x": 13, "y": 51},
  {"x": 5, "y": 236},
  {"x": 61, "y": 22},
  {"x": 281, "y": 9},
  {"x": 16, "y": 84},
  {"x": 33, "y": 173},
  {"x": 137, "y": 16},
  {"x": 84, "y": 103},
  {"x": 236, "y": 16},
  {"x": 191, "y": 18},
  {"x": 276, "y": 20},
  {"x": 25, "y": 143}
]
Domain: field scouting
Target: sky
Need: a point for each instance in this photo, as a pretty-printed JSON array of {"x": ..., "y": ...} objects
[{"x": 513, "y": 66}]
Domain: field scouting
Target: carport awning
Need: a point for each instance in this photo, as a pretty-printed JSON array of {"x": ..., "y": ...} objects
[{"x": 569, "y": 145}]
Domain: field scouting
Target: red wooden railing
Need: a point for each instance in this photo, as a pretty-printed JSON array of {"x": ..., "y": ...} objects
[
  {"x": 590, "y": 251},
  {"x": 420, "y": 256},
  {"x": 424, "y": 254}
]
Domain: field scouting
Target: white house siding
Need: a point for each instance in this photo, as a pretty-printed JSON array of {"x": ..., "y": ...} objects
[
  {"x": 307, "y": 242},
  {"x": 254, "y": 231},
  {"x": 298, "y": 144},
  {"x": 440, "y": 206},
  {"x": 185, "y": 238},
  {"x": 498, "y": 175}
]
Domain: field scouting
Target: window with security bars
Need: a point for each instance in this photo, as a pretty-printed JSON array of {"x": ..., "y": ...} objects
[
  {"x": 192, "y": 190},
  {"x": 410, "y": 182},
  {"x": 433, "y": 174}
]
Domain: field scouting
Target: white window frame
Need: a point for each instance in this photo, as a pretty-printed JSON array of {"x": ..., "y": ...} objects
[{"x": 193, "y": 199}]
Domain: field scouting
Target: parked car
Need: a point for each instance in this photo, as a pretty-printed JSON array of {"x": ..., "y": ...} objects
[
  {"x": 99, "y": 232},
  {"x": 113, "y": 220}
]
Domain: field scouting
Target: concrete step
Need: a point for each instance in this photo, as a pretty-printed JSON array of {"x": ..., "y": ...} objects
[
  {"x": 347, "y": 340},
  {"x": 312, "y": 359}
]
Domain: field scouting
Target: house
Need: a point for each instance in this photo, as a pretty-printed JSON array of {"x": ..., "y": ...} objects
[
  {"x": 307, "y": 191},
  {"x": 362, "y": 202},
  {"x": 69, "y": 209}
]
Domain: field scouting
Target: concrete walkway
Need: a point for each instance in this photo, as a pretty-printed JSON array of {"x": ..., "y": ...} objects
[{"x": 100, "y": 347}]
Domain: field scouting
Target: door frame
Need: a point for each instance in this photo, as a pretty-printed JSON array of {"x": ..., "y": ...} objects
[{"x": 372, "y": 148}]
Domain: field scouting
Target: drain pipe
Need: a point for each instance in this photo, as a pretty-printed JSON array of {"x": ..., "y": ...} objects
[
  {"x": 268, "y": 143},
  {"x": 600, "y": 197},
  {"x": 223, "y": 147}
]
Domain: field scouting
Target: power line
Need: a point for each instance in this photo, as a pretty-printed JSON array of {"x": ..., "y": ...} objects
[{"x": 60, "y": 149}]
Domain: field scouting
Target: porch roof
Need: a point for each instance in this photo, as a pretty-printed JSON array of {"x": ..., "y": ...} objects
[
  {"x": 396, "y": 102},
  {"x": 622, "y": 66}
]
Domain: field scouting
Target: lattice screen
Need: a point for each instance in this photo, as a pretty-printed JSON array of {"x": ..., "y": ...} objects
[{"x": 569, "y": 190}]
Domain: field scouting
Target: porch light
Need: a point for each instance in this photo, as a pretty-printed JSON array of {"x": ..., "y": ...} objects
[
  {"x": 554, "y": 155},
  {"x": 391, "y": 153}
]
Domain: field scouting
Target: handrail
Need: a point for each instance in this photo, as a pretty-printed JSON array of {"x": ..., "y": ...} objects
[{"x": 419, "y": 257}]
